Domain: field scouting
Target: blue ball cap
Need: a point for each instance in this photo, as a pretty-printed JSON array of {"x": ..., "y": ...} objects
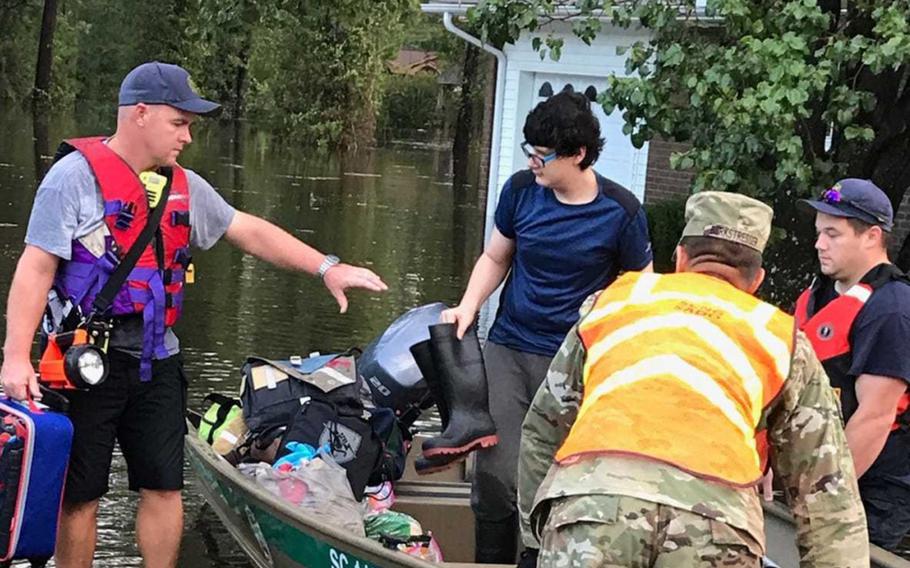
[
  {"x": 157, "y": 83},
  {"x": 856, "y": 198}
]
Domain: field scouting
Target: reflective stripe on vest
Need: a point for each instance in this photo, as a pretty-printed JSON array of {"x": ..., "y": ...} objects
[{"x": 679, "y": 368}]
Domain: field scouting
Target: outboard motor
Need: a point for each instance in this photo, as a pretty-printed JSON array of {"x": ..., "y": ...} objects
[{"x": 389, "y": 369}]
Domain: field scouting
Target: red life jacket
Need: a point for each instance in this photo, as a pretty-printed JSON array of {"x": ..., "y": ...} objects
[
  {"x": 829, "y": 331},
  {"x": 154, "y": 288}
]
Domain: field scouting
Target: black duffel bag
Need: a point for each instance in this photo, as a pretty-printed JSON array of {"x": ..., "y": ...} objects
[
  {"x": 273, "y": 391},
  {"x": 319, "y": 402},
  {"x": 346, "y": 431}
]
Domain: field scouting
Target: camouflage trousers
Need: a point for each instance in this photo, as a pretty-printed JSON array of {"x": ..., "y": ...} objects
[{"x": 607, "y": 531}]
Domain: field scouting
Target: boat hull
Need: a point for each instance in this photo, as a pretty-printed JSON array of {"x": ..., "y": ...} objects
[{"x": 274, "y": 533}]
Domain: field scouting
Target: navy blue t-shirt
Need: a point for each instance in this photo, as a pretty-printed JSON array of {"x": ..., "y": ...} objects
[
  {"x": 563, "y": 253},
  {"x": 880, "y": 345}
]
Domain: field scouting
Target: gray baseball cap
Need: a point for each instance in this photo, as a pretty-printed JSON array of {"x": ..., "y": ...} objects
[{"x": 157, "y": 83}]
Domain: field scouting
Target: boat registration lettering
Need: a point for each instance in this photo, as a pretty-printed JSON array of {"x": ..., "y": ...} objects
[{"x": 341, "y": 560}]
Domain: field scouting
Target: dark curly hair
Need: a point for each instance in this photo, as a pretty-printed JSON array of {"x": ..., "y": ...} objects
[{"x": 565, "y": 123}]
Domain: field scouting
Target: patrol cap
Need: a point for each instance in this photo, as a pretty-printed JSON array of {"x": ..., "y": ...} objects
[
  {"x": 157, "y": 83},
  {"x": 729, "y": 216}
]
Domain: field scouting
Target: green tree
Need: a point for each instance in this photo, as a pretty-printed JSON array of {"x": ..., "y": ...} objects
[
  {"x": 221, "y": 40},
  {"x": 20, "y": 21},
  {"x": 40, "y": 93},
  {"x": 312, "y": 68},
  {"x": 776, "y": 97},
  {"x": 316, "y": 67}
]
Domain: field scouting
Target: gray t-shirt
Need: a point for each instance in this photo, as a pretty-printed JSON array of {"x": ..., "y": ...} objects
[{"x": 69, "y": 206}]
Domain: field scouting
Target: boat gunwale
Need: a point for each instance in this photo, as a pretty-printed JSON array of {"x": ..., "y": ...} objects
[{"x": 878, "y": 557}]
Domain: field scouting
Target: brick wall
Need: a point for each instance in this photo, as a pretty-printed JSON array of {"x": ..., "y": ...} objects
[
  {"x": 663, "y": 183},
  {"x": 901, "y": 225}
]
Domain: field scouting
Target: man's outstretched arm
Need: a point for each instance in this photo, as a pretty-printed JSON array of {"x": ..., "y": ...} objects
[{"x": 273, "y": 244}]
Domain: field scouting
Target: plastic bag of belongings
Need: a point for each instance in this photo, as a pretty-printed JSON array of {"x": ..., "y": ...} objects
[
  {"x": 311, "y": 479},
  {"x": 316, "y": 400},
  {"x": 396, "y": 530},
  {"x": 363, "y": 409},
  {"x": 222, "y": 426}
]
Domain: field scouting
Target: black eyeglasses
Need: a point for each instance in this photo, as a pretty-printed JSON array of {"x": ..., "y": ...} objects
[{"x": 531, "y": 153}]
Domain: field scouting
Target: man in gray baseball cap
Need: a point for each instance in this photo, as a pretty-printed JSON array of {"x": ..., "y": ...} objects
[
  {"x": 167, "y": 84},
  {"x": 90, "y": 209},
  {"x": 857, "y": 316}
]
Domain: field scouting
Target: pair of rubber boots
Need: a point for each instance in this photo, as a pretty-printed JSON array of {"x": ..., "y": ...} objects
[{"x": 457, "y": 380}]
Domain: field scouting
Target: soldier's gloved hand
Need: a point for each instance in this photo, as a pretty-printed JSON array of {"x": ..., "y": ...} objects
[{"x": 528, "y": 558}]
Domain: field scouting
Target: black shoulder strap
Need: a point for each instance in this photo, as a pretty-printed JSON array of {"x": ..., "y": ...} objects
[
  {"x": 64, "y": 149},
  {"x": 105, "y": 297},
  {"x": 884, "y": 273}
]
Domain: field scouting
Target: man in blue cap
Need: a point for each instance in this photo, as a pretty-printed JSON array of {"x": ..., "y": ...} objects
[
  {"x": 857, "y": 315},
  {"x": 88, "y": 213}
]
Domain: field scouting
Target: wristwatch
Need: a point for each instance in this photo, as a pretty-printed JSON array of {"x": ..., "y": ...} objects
[{"x": 330, "y": 261}]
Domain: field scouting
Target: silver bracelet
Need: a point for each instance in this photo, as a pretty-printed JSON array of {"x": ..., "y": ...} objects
[{"x": 329, "y": 261}]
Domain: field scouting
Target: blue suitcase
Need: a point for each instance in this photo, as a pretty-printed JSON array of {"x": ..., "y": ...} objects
[{"x": 34, "y": 452}]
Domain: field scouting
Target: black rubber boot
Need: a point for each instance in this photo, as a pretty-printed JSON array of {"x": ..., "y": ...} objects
[
  {"x": 423, "y": 355},
  {"x": 463, "y": 382},
  {"x": 496, "y": 542},
  {"x": 441, "y": 462}
]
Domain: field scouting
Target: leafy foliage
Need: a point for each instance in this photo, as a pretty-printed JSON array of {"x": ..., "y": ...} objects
[
  {"x": 409, "y": 103},
  {"x": 312, "y": 68},
  {"x": 772, "y": 95},
  {"x": 316, "y": 67},
  {"x": 666, "y": 220},
  {"x": 18, "y": 46}
]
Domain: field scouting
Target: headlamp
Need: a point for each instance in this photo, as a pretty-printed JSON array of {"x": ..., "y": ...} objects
[
  {"x": 85, "y": 365},
  {"x": 70, "y": 361}
]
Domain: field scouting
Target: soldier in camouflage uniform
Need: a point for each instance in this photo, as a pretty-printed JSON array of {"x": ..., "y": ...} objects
[{"x": 622, "y": 509}]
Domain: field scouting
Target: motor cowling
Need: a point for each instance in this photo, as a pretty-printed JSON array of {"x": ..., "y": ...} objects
[{"x": 388, "y": 367}]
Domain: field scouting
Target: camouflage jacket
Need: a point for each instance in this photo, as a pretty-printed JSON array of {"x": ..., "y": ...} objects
[{"x": 809, "y": 456}]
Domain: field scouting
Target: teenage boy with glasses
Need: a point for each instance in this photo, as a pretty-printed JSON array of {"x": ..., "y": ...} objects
[{"x": 562, "y": 232}]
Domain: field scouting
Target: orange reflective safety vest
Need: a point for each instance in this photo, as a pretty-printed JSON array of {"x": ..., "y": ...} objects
[{"x": 679, "y": 369}]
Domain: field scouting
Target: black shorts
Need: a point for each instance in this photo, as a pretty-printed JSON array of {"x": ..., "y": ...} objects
[{"x": 147, "y": 419}]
